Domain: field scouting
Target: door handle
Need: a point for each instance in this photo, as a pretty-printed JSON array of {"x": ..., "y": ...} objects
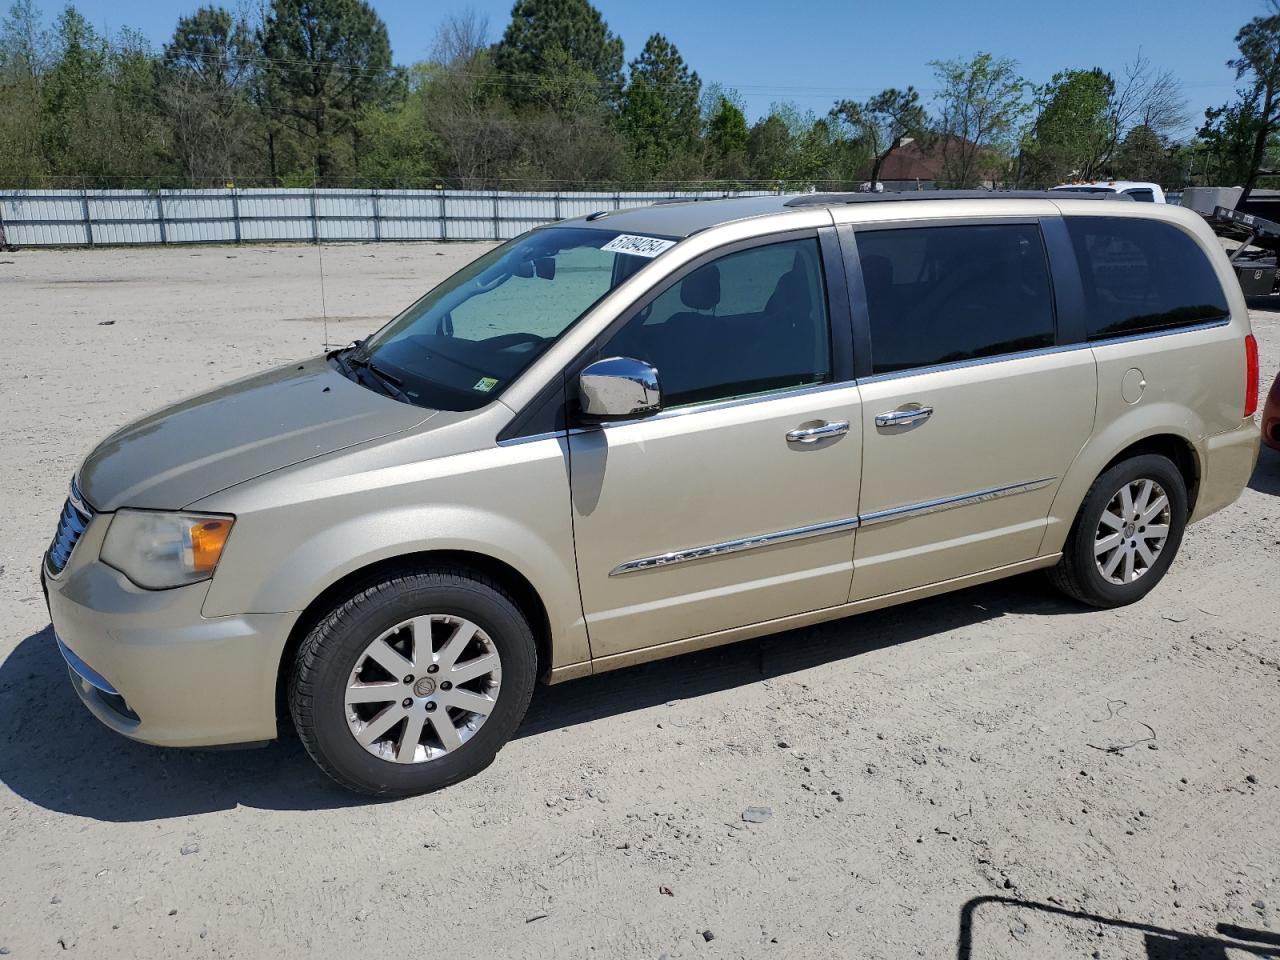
[
  {"x": 900, "y": 418},
  {"x": 832, "y": 428}
]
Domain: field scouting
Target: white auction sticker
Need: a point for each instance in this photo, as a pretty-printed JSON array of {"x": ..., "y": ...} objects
[{"x": 638, "y": 246}]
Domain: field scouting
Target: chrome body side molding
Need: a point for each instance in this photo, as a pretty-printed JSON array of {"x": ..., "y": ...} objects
[
  {"x": 831, "y": 526},
  {"x": 735, "y": 546},
  {"x": 947, "y": 503}
]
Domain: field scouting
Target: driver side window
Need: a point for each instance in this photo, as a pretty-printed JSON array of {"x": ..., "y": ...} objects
[{"x": 750, "y": 322}]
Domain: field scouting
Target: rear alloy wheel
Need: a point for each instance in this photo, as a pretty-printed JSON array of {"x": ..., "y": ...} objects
[
  {"x": 1132, "y": 531},
  {"x": 1126, "y": 534},
  {"x": 414, "y": 682}
]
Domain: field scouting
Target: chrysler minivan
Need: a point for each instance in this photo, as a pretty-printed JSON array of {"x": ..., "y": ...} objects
[{"x": 646, "y": 432}]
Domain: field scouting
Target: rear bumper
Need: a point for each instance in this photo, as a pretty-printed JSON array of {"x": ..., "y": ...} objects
[
  {"x": 1227, "y": 464},
  {"x": 150, "y": 667}
]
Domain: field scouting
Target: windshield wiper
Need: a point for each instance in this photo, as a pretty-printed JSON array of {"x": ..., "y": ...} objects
[{"x": 391, "y": 385}]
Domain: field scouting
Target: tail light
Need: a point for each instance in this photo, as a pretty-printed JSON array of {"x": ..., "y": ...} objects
[{"x": 1250, "y": 376}]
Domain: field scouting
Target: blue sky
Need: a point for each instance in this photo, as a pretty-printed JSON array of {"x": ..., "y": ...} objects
[{"x": 812, "y": 52}]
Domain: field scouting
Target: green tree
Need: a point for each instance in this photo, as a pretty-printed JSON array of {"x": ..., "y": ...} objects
[
  {"x": 1146, "y": 155},
  {"x": 74, "y": 94},
  {"x": 22, "y": 64},
  {"x": 546, "y": 36},
  {"x": 769, "y": 149},
  {"x": 1259, "y": 66},
  {"x": 660, "y": 107},
  {"x": 981, "y": 105},
  {"x": 135, "y": 140},
  {"x": 727, "y": 136},
  {"x": 209, "y": 68},
  {"x": 400, "y": 146},
  {"x": 326, "y": 62},
  {"x": 1224, "y": 151},
  {"x": 1071, "y": 136},
  {"x": 882, "y": 122}
]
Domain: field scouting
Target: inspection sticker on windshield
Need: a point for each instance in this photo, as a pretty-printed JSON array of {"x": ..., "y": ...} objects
[
  {"x": 485, "y": 384},
  {"x": 638, "y": 246}
]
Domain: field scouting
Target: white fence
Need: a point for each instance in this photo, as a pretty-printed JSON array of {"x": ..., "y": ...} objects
[{"x": 39, "y": 218}]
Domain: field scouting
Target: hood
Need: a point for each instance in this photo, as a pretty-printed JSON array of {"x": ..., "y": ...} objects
[{"x": 239, "y": 431}]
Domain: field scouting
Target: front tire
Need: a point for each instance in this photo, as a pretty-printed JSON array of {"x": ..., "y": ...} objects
[
  {"x": 414, "y": 682},
  {"x": 1126, "y": 534}
]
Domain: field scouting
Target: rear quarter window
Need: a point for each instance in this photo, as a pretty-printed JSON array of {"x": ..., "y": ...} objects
[{"x": 1143, "y": 276}]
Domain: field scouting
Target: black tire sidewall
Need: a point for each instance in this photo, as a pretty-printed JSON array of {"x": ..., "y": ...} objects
[
  {"x": 381, "y": 609},
  {"x": 1097, "y": 588}
]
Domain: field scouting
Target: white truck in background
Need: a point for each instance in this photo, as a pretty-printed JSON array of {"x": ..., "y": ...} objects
[{"x": 1133, "y": 189}]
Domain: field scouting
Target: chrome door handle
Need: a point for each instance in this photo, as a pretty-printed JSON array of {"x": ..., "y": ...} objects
[
  {"x": 900, "y": 418},
  {"x": 833, "y": 428}
]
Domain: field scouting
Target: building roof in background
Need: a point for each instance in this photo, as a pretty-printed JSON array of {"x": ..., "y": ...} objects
[{"x": 924, "y": 159}]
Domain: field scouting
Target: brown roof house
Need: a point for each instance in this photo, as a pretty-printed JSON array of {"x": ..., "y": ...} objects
[{"x": 935, "y": 163}]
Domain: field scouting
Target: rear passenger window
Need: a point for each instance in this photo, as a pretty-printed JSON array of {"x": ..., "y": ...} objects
[
  {"x": 944, "y": 294},
  {"x": 750, "y": 322},
  {"x": 1142, "y": 276}
]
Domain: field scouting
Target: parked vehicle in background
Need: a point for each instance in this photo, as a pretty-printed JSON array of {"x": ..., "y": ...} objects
[
  {"x": 641, "y": 433},
  {"x": 1254, "y": 259},
  {"x": 1133, "y": 189},
  {"x": 1271, "y": 416}
]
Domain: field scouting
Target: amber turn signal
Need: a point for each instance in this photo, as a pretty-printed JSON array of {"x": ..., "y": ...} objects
[{"x": 208, "y": 537}]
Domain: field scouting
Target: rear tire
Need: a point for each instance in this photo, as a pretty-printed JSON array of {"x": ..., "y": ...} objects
[
  {"x": 376, "y": 669},
  {"x": 1114, "y": 555}
]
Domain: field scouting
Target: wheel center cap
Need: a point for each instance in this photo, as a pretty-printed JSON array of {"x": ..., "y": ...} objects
[
  {"x": 424, "y": 687},
  {"x": 1130, "y": 529}
]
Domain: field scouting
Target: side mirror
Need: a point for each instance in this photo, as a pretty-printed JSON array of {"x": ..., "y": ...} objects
[{"x": 618, "y": 388}]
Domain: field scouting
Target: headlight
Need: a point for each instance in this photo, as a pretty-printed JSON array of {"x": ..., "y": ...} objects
[{"x": 159, "y": 550}]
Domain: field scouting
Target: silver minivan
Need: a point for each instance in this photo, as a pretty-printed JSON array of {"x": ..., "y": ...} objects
[{"x": 640, "y": 433}]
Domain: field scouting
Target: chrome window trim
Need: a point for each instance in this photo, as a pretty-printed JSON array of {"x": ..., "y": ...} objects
[
  {"x": 1165, "y": 332},
  {"x": 878, "y": 377},
  {"x": 735, "y": 546},
  {"x": 706, "y": 407},
  {"x": 1044, "y": 351},
  {"x": 726, "y": 404},
  {"x": 532, "y": 438},
  {"x": 947, "y": 503}
]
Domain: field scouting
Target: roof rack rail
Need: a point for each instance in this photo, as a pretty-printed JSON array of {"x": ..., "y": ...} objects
[
  {"x": 829, "y": 199},
  {"x": 666, "y": 200}
]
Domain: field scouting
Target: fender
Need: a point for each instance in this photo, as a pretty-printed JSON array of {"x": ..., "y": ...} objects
[
  {"x": 1162, "y": 418},
  {"x": 507, "y": 503}
]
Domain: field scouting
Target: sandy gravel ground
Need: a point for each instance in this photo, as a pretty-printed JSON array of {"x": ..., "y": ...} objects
[{"x": 938, "y": 776}]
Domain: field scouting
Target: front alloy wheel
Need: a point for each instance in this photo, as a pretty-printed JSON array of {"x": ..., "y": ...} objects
[
  {"x": 414, "y": 681},
  {"x": 423, "y": 688}
]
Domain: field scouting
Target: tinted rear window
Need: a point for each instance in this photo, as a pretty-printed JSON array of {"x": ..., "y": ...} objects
[
  {"x": 1142, "y": 276},
  {"x": 944, "y": 294}
]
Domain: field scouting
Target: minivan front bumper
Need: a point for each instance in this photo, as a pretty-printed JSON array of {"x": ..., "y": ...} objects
[{"x": 150, "y": 667}]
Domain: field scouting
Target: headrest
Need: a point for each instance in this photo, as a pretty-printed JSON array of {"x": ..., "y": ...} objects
[
  {"x": 791, "y": 295},
  {"x": 700, "y": 290}
]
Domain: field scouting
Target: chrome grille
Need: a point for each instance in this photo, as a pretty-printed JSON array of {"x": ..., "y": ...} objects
[{"x": 75, "y": 517}]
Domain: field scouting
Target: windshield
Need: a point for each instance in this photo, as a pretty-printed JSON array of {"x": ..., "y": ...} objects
[
  {"x": 1084, "y": 189},
  {"x": 461, "y": 345}
]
